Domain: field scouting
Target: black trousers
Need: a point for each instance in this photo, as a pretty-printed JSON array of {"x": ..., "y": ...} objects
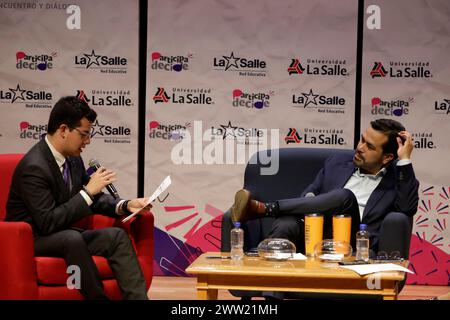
[
  {"x": 78, "y": 247},
  {"x": 289, "y": 223}
]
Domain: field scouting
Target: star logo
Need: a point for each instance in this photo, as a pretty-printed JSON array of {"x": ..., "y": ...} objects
[
  {"x": 310, "y": 98},
  {"x": 231, "y": 61},
  {"x": 228, "y": 130},
  {"x": 97, "y": 128},
  {"x": 92, "y": 59},
  {"x": 18, "y": 93}
]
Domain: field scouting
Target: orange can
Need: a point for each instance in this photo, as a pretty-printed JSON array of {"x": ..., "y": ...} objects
[
  {"x": 342, "y": 225},
  {"x": 313, "y": 232}
]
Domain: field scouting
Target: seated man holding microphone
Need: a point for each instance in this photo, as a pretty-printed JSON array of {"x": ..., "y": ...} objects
[
  {"x": 51, "y": 191},
  {"x": 367, "y": 187}
]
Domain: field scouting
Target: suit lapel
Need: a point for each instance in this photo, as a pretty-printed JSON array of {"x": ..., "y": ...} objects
[
  {"x": 57, "y": 176},
  {"x": 344, "y": 173},
  {"x": 75, "y": 176},
  {"x": 386, "y": 183}
]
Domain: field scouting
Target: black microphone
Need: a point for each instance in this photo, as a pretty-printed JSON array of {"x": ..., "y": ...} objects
[{"x": 94, "y": 164}]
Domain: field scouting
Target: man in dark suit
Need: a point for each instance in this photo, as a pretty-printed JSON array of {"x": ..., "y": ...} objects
[
  {"x": 367, "y": 186},
  {"x": 51, "y": 191}
]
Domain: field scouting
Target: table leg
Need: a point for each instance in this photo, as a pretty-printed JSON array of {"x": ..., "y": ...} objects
[{"x": 207, "y": 294}]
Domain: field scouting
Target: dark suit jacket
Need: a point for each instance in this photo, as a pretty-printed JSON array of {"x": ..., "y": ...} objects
[
  {"x": 39, "y": 196},
  {"x": 397, "y": 191}
]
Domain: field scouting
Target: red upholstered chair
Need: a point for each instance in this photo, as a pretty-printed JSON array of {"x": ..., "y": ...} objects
[{"x": 24, "y": 276}]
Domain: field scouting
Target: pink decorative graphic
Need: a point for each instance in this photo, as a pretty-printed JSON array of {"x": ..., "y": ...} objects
[
  {"x": 429, "y": 264},
  {"x": 173, "y": 255},
  {"x": 206, "y": 236},
  {"x": 430, "y": 242}
]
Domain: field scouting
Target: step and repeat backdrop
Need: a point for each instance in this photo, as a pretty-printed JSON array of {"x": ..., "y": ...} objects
[
  {"x": 406, "y": 77},
  {"x": 43, "y": 59},
  {"x": 226, "y": 79}
]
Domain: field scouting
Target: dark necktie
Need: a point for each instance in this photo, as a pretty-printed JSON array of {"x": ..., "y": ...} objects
[{"x": 66, "y": 174}]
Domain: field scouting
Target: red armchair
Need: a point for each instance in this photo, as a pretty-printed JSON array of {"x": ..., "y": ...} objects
[{"x": 24, "y": 276}]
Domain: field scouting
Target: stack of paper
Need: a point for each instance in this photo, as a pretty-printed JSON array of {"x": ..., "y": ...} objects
[{"x": 364, "y": 269}]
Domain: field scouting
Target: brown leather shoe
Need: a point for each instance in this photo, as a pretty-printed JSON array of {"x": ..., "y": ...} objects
[{"x": 241, "y": 206}]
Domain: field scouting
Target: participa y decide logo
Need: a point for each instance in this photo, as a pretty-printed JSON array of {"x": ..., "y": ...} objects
[
  {"x": 34, "y": 62},
  {"x": 170, "y": 63},
  {"x": 391, "y": 107},
  {"x": 258, "y": 100}
]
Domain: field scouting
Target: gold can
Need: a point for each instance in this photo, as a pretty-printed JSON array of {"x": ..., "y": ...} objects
[
  {"x": 342, "y": 225},
  {"x": 313, "y": 232}
]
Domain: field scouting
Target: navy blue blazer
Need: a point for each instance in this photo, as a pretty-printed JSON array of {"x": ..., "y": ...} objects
[
  {"x": 397, "y": 191},
  {"x": 39, "y": 196}
]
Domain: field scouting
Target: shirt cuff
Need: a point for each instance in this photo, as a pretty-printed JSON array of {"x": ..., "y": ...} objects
[
  {"x": 86, "y": 197},
  {"x": 119, "y": 210},
  {"x": 404, "y": 162}
]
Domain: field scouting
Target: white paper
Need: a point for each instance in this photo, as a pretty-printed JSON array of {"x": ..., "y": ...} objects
[
  {"x": 298, "y": 256},
  {"x": 364, "y": 269},
  {"x": 162, "y": 187},
  {"x": 332, "y": 257}
]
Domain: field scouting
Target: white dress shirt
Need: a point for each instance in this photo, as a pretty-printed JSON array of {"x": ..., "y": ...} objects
[
  {"x": 362, "y": 185},
  {"x": 60, "y": 159}
]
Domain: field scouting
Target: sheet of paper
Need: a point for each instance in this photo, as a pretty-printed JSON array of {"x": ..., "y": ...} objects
[
  {"x": 364, "y": 269},
  {"x": 332, "y": 257},
  {"x": 161, "y": 188},
  {"x": 298, "y": 256}
]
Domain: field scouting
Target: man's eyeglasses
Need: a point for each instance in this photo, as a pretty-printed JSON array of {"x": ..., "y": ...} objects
[
  {"x": 383, "y": 256},
  {"x": 84, "y": 135}
]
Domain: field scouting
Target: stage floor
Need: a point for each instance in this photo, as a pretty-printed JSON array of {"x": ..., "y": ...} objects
[{"x": 183, "y": 288}]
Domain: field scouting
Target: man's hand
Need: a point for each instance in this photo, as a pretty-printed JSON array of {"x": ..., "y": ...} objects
[
  {"x": 136, "y": 204},
  {"x": 405, "y": 147},
  {"x": 99, "y": 180}
]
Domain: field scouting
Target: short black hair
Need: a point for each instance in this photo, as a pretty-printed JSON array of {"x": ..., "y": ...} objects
[
  {"x": 390, "y": 128},
  {"x": 69, "y": 110}
]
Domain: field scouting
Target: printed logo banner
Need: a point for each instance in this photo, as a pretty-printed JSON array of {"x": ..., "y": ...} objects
[
  {"x": 406, "y": 76},
  {"x": 43, "y": 60},
  {"x": 263, "y": 76}
]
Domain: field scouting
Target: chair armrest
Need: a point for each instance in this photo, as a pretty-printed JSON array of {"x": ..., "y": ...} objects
[
  {"x": 227, "y": 225},
  {"x": 255, "y": 231},
  {"x": 17, "y": 264},
  {"x": 395, "y": 233},
  {"x": 140, "y": 230}
]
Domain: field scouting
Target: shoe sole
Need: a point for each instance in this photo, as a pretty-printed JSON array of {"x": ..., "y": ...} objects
[{"x": 240, "y": 205}]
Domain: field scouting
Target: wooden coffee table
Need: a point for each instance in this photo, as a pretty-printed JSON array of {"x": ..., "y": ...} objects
[{"x": 309, "y": 275}]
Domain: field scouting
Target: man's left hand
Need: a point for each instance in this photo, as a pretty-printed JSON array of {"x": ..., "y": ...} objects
[
  {"x": 405, "y": 147},
  {"x": 135, "y": 205}
]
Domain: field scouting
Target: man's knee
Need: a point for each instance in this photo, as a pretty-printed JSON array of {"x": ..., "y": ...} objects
[
  {"x": 397, "y": 220},
  {"x": 286, "y": 227},
  {"x": 72, "y": 238},
  {"x": 395, "y": 233},
  {"x": 348, "y": 196},
  {"x": 115, "y": 234}
]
